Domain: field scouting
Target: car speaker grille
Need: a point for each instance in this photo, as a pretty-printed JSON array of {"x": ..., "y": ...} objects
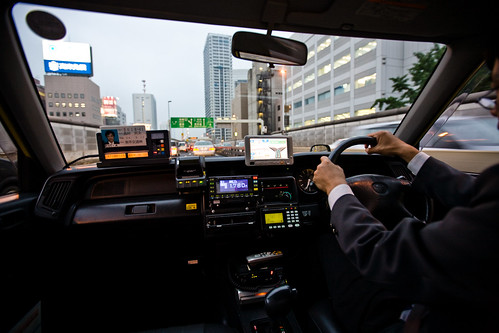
[{"x": 56, "y": 194}]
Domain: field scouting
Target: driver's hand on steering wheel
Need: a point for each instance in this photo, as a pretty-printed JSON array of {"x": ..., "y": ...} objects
[
  {"x": 328, "y": 175},
  {"x": 389, "y": 144}
]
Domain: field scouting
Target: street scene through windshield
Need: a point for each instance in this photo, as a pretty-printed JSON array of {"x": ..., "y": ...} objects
[{"x": 189, "y": 83}]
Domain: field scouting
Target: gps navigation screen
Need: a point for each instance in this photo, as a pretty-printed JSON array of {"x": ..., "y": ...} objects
[{"x": 268, "y": 148}]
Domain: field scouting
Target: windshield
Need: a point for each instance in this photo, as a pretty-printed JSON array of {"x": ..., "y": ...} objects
[{"x": 117, "y": 70}]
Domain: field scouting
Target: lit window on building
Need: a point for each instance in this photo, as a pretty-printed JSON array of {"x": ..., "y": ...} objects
[
  {"x": 340, "y": 116},
  {"x": 342, "y": 61},
  {"x": 324, "y": 70},
  {"x": 309, "y": 122},
  {"x": 345, "y": 87},
  {"x": 77, "y": 105},
  {"x": 69, "y": 95},
  {"x": 324, "y": 119},
  {"x": 310, "y": 77},
  {"x": 297, "y": 84},
  {"x": 70, "y": 105},
  {"x": 324, "y": 45},
  {"x": 364, "y": 112},
  {"x": 82, "y": 105},
  {"x": 77, "y": 114},
  {"x": 63, "y": 104},
  {"x": 365, "y": 81},
  {"x": 310, "y": 54},
  {"x": 365, "y": 49},
  {"x": 57, "y": 104},
  {"x": 49, "y": 95}
]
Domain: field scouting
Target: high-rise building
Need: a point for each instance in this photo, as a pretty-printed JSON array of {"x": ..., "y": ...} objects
[
  {"x": 111, "y": 112},
  {"x": 144, "y": 110},
  {"x": 344, "y": 76},
  {"x": 218, "y": 83}
]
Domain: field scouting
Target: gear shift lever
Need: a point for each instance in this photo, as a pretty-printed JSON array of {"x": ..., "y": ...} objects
[{"x": 278, "y": 302}]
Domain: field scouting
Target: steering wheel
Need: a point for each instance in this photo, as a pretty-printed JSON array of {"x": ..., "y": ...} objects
[{"x": 388, "y": 199}]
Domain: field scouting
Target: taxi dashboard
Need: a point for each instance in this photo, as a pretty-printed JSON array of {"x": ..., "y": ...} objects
[{"x": 225, "y": 196}]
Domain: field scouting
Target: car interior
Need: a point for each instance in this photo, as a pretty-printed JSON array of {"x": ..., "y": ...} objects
[{"x": 194, "y": 243}]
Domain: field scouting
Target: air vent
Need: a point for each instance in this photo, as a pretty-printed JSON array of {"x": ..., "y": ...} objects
[
  {"x": 400, "y": 170},
  {"x": 56, "y": 194}
]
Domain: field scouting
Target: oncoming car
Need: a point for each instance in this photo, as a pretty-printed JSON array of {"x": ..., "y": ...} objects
[
  {"x": 117, "y": 238},
  {"x": 203, "y": 148}
]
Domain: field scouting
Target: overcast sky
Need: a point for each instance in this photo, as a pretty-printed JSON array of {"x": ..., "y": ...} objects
[{"x": 127, "y": 50}]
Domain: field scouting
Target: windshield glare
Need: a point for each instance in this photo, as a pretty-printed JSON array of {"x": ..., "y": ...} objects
[{"x": 160, "y": 73}]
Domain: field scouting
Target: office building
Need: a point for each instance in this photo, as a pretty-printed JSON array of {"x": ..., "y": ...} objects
[
  {"x": 144, "y": 110},
  {"x": 218, "y": 83},
  {"x": 72, "y": 99},
  {"x": 265, "y": 99},
  {"x": 344, "y": 76}
]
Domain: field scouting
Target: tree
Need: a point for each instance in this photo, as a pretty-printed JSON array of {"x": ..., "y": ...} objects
[{"x": 419, "y": 74}]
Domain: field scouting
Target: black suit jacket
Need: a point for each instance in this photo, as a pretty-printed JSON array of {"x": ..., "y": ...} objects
[{"x": 448, "y": 265}]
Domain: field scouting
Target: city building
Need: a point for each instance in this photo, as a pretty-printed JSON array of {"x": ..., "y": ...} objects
[
  {"x": 144, "y": 110},
  {"x": 240, "y": 111},
  {"x": 239, "y": 76},
  {"x": 72, "y": 99},
  {"x": 266, "y": 99},
  {"x": 218, "y": 83},
  {"x": 344, "y": 76},
  {"x": 111, "y": 112}
]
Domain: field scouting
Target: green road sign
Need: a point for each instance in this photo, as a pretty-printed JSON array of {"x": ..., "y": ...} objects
[{"x": 191, "y": 122}]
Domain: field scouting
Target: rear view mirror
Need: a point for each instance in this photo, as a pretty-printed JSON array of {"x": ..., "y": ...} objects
[{"x": 269, "y": 49}]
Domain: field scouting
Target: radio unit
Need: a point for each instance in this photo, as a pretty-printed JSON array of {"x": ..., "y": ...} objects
[{"x": 233, "y": 187}]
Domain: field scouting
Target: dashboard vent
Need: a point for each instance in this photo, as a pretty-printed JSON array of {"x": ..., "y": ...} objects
[{"x": 56, "y": 194}]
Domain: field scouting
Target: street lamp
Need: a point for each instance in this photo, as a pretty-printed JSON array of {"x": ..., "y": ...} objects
[{"x": 169, "y": 120}]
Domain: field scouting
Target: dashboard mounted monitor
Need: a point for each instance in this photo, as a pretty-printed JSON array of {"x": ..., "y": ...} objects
[{"x": 268, "y": 150}]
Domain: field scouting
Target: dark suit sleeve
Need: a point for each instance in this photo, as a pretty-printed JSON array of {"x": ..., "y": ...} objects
[
  {"x": 452, "y": 259},
  {"x": 444, "y": 183}
]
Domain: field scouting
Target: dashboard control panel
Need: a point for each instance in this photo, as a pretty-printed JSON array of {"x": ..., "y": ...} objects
[{"x": 271, "y": 203}]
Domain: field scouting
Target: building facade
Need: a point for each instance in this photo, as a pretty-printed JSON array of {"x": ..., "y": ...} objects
[
  {"x": 240, "y": 111},
  {"x": 265, "y": 101},
  {"x": 218, "y": 83},
  {"x": 344, "y": 76},
  {"x": 72, "y": 99},
  {"x": 144, "y": 110}
]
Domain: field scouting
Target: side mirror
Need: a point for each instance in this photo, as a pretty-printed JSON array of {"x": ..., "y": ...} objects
[
  {"x": 269, "y": 49},
  {"x": 321, "y": 147}
]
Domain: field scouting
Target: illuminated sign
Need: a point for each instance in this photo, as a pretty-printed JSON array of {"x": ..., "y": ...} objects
[
  {"x": 109, "y": 107},
  {"x": 68, "y": 58}
]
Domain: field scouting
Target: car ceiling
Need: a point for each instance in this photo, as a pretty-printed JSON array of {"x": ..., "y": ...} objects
[{"x": 430, "y": 20}]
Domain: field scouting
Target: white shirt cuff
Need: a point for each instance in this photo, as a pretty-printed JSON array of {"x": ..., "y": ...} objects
[
  {"x": 417, "y": 162},
  {"x": 337, "y": 193}
]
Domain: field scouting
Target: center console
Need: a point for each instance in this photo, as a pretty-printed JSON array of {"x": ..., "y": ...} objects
[{"x": 269, "y": 203}]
